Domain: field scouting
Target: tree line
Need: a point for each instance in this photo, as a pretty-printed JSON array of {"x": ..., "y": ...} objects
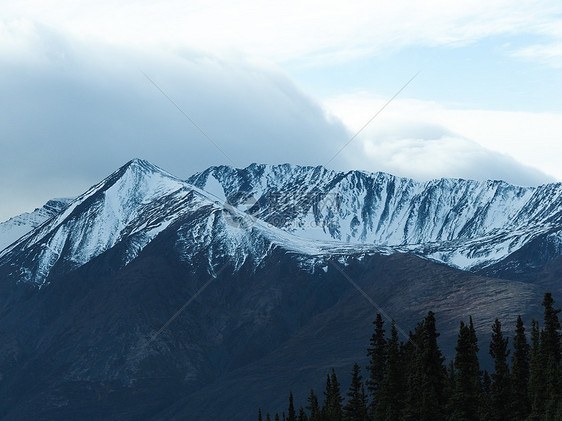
[{"x": 409, "y": 380}]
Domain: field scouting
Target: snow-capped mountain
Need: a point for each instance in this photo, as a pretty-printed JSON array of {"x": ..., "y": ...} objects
[
  {"x": 310, "y": 211},
  {"x": 130, "y": 208},
  {"x": 19, "y": 225},
  {"x": 151, "y": 297},
  {"x": 464, "y": 223}
]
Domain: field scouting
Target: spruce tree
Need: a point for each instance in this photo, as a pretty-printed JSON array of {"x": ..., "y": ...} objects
[
  {"x": 537, "y": 384},
  {"x": 313, "y": 406},
  {"x": 332, "y": 409},
  {"x": 520, "y": 361},
  {"x": 433, "y": 374},
  {"x": 291, "y": 411},
  {"x": 355, "y": 409},
  {"x": 550, "y": 350},
  {"x": 302, "y": 415},
  {"x": 267, "y": 417},
  {"x": 377, "y": 361},
  {"x": 259, "y": 415},
  {"x": 485, "y": 407},
  {"x": 500, "y": 391},
  {"x": 390, "y": 396},
  {"x": 466, "y": 394}
]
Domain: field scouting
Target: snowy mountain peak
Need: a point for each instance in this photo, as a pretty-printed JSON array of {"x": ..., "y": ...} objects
[{"x": 233, "y": 213}]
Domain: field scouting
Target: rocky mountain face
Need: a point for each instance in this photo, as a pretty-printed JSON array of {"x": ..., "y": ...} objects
[
  {"x": 157, "y": 298},
  {"x": 463, "y": 223},
  {"x": 16, "y": 227}
]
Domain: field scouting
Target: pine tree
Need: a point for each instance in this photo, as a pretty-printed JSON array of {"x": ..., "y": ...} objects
[
  {"x": 355, "y": 409},
  {"x": 500, "y": 391},
  {"x": 332, "y": 409},
  {"x": 427, "y": 376},
  {"x": 390, "y": 403},
  {"x": 550, "y": 336},
  {"x": 550, "y": 350},
  {"x": 377, "y": 361},
  {"x": 520, "y": 361},
  {"x": 537, "y": 386},
  {"x": 433, "y": 374},
  {"x": 467, "y": 376},
  {"x": 313, "y": 406},
  {"x": 485, "y": 408},
  {"x": 267, "y": 417},
  {"x": 292, "y": 414},
  {"x": 259, "y": 415},
  {"x": 302, "y": 415},
  {"x": 276, "y": 416}
]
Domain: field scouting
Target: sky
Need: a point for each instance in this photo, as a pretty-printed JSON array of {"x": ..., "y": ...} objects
[{"x": 468, "y": 89}]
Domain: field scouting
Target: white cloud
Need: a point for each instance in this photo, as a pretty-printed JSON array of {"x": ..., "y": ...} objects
[
  {"x": 423, "y": 140},
  {"x": 309, "y": 30}
]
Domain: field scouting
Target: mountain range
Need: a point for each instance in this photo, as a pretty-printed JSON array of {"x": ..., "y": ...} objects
[{"x": 153, "y": 297}]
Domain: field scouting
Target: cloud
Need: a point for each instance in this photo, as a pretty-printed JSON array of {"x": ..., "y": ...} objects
[
  {"x": 424, "y": 139},
  {"x": 427, "y": 152},
  {"x": 310, "y": 31},
  {"x": 72, "y": 112}
]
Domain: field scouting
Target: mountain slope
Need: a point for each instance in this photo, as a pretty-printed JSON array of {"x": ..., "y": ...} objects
[
  {"x": 153, "y": 297},
  {"x": 19, "y": 225},
  {"x": 466, "y": 224}
]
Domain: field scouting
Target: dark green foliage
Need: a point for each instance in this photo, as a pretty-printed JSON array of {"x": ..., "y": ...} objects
[
  {"x": 332, "y": 408},
  {"x": 408, "y": 381},
  {"x": 291, "y": 411},
  {"x": 377, "y": 362},
  {"x": 427, "y": 376},
  {"x": 466, "y": 393},
  {"x": 390, "y": 395},
  {"x": 259, "y": 415},
  {"x": 356, "y": 407},
  {"x": 485, "y": 407},
  {"x": 500, "y": 390},
  {"x": 302, "y": 415},
  {"x": 313, "y": 407},
  {"x": 520, "y": 361},
  {"x": 550, "y": 336}
]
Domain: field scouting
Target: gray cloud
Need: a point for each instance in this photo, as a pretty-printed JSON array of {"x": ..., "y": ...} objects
[{"x": 72, "y": 112}]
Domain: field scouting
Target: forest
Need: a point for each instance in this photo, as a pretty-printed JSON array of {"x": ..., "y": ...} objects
[{"x": 409, "y": 380}]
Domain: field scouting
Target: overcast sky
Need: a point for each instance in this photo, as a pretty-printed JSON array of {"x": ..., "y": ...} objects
[{"x": 276, "y": 82}]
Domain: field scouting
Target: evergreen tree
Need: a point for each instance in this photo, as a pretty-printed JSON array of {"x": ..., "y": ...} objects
[
  {"x": 550, "y": 336},
  {"x": 302, "y": 415},
  {"x": 520, "y": 361},
  {"x": 485, "y": 408},
  {"x": 332, "y": 409},
  {"x": 267, "y": 417},
  {"x": 292, "y": 413},
  {"x": 537, "y": 385},
  {"x": 390, "y": 396},
  {"x": 259, "y": 415},
  {"x": 427, "y": 376},
  {"x": 377, "y": 361},
  {"x": 500, "y": 391},
  {"x": 355, "y": 409},
  {"x": 313, "y": 406},
  {"x": 433, "y": 374},
  {"x": 276, "y": 416},
  {"x": 550, "y": 350},
  {"x": 466, "y": 394}
]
